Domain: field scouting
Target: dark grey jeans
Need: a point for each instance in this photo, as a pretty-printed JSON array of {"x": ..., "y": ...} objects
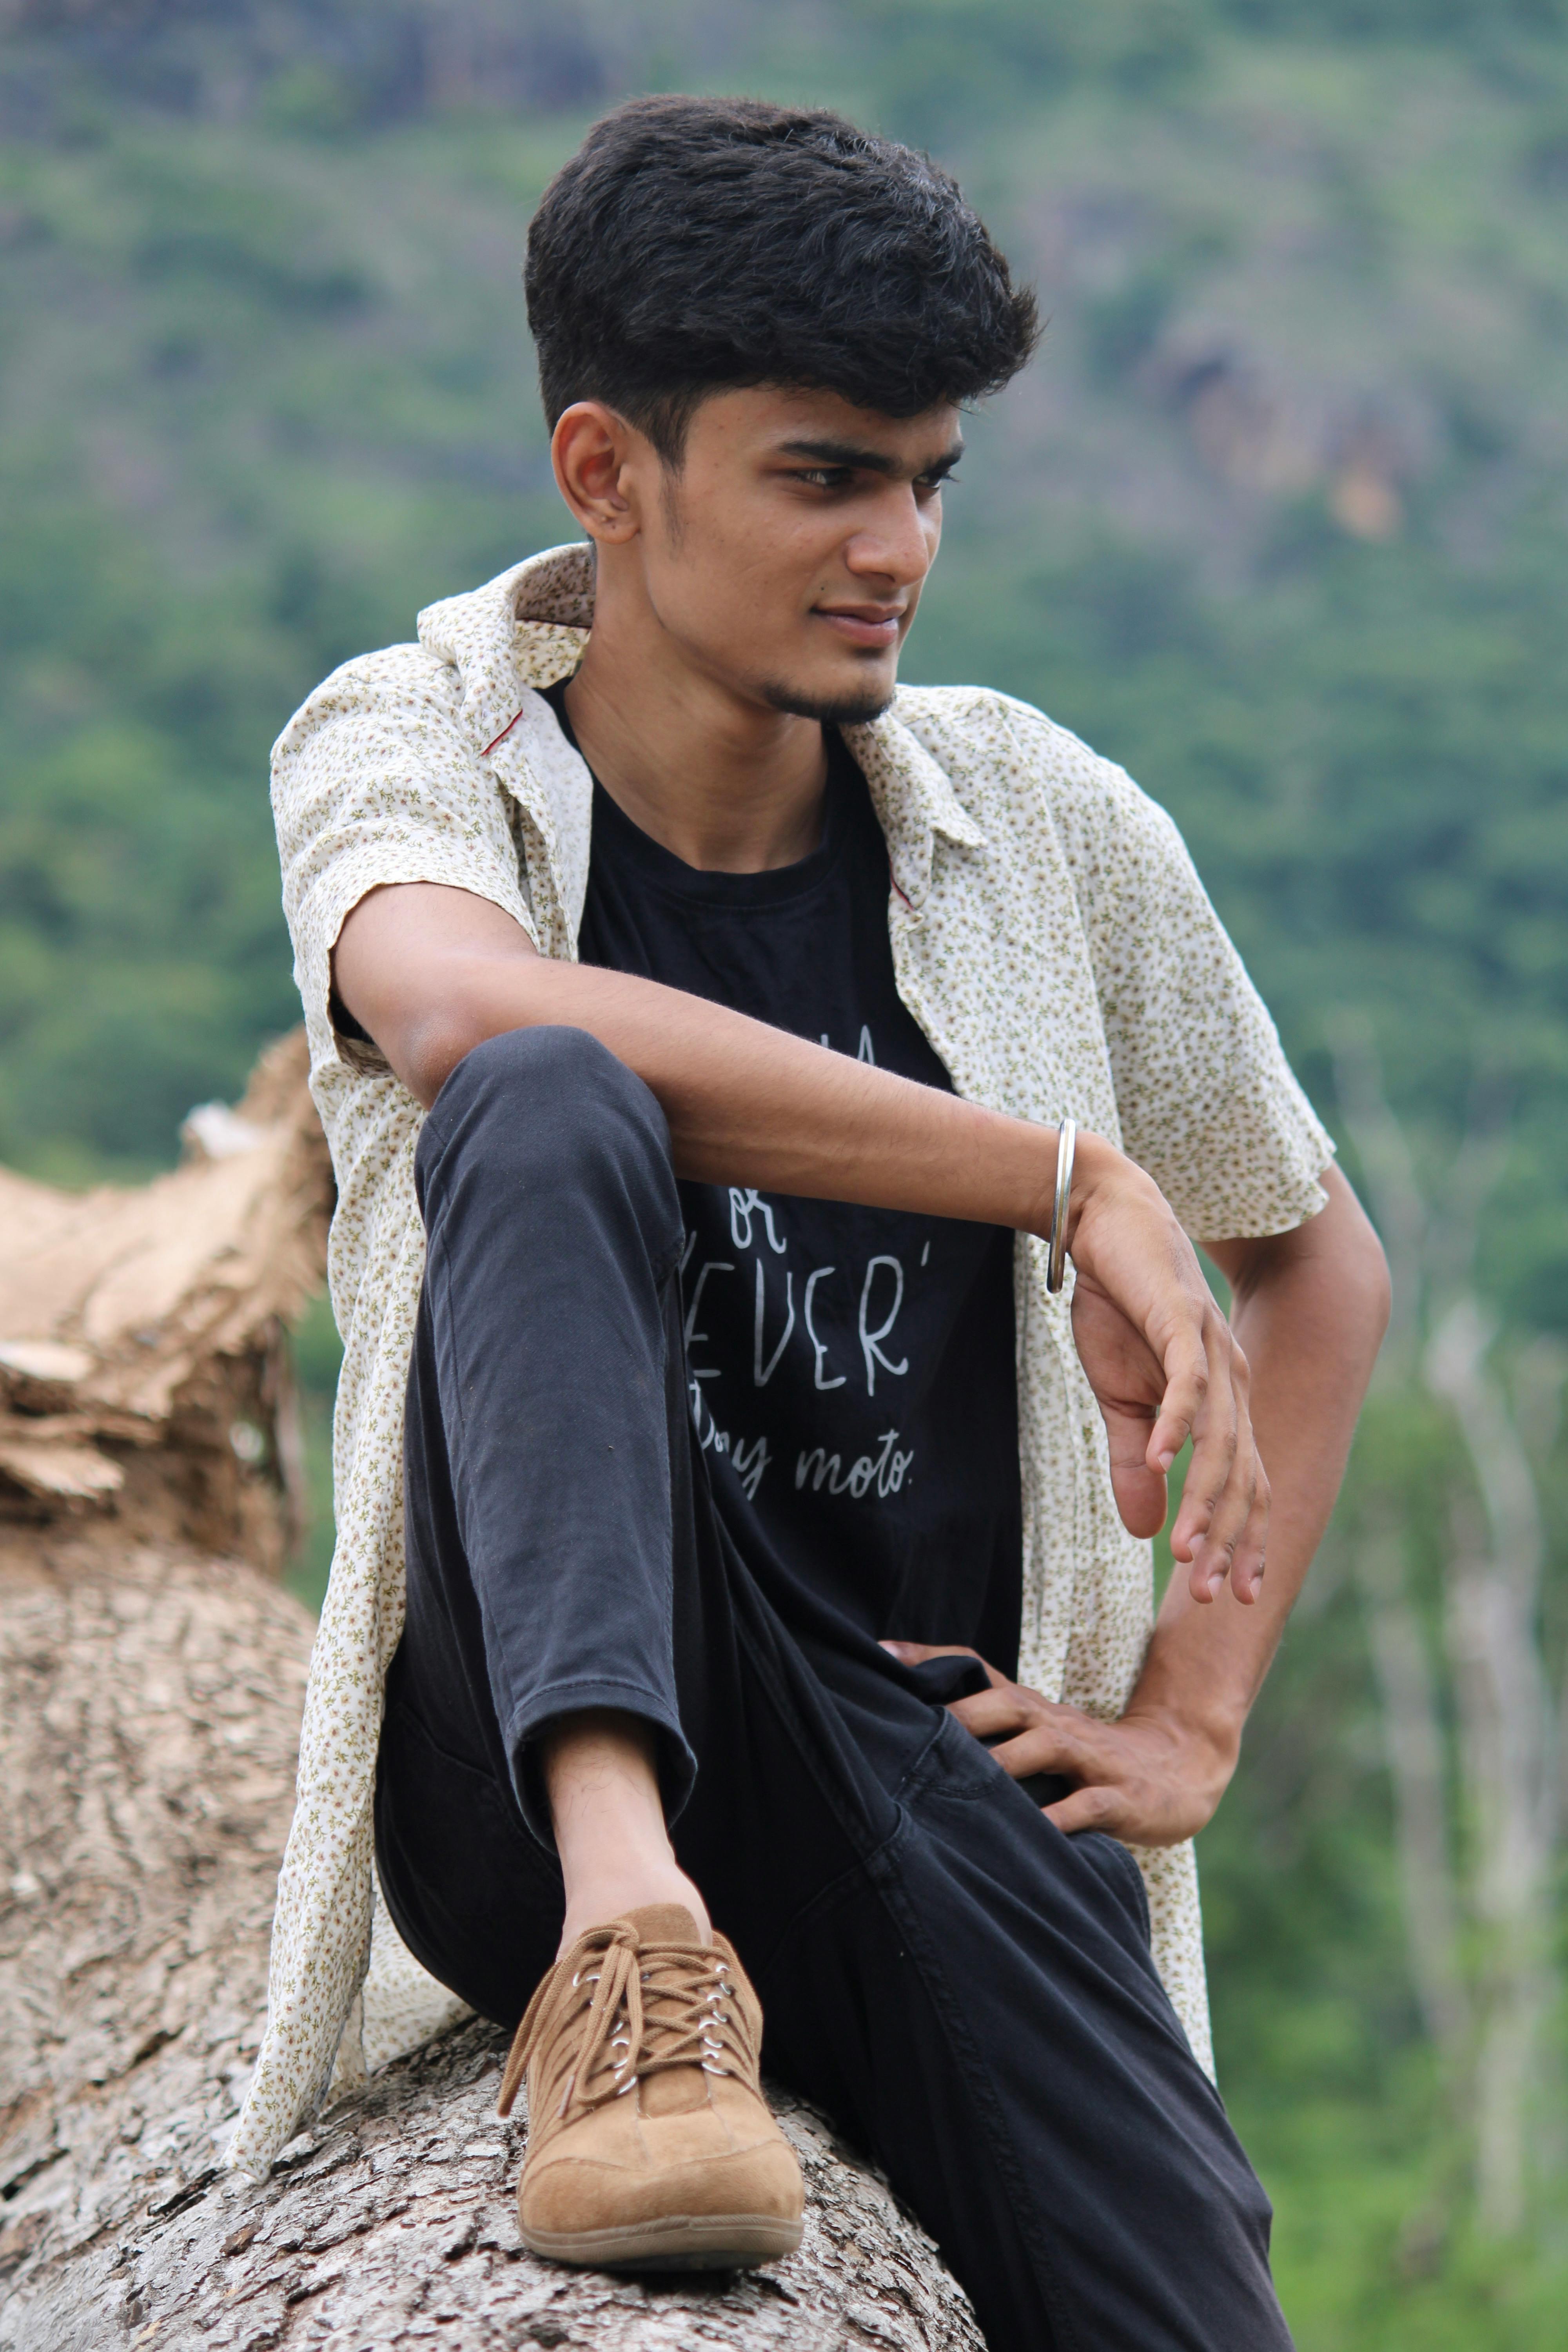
[{"x": 967, "y": 1992}]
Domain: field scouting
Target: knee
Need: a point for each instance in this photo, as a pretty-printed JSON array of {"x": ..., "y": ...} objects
[
  {"x": 547, "y": 1108},
  {"x": 546, "y": 1061}
]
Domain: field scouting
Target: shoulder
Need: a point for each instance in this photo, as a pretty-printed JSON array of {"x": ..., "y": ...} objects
[
  {"x": 1008, "y": 761},
  {"x": 401, "y": 683}
]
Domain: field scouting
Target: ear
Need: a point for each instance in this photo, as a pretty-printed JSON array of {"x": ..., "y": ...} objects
[{"x": 601, "y": 462}]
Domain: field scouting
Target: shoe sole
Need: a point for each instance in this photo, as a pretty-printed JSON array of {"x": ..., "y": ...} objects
[{"x": 676, "y": 2242}]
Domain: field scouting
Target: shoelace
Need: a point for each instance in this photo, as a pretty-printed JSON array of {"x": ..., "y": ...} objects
[{"x": 648, "y": 2007}]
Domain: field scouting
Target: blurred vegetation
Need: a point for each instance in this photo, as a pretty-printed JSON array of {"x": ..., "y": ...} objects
[{"x": 1278, "y": 519}]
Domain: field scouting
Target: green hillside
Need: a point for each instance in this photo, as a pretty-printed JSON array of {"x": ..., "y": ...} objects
[{"x": 1279, "y": 518}]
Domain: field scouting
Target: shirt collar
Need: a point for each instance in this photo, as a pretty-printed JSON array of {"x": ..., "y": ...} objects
[
  {"x": 525, "y": 628},
  {"x": 914, "y": 799}
]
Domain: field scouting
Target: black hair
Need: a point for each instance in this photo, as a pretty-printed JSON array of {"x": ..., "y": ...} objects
[{"x": 694, "y": 245}]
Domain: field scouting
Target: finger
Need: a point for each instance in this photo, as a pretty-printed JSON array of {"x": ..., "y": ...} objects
[
  {"x": 1097, "y": 1807},
  {"x": 1247, "y": 1569},
  {"x": 1003, "y": 1707},
  {"x": 1127, "y": 1379},
  {"x": 1213, "y": 1512},
  {"x": 1220, "y": 1553},
  {"x": 1186, "y": 1367},
  {"x": 915, "y": 1653},
  {"x": 1047, "y": 1747},
  {"x": 1214, "y": 1553},
  {"x": 1142, "y": 1498}
]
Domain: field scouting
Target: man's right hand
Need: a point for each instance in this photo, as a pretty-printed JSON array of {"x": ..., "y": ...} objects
[
  {"x": 429, "y": 972},
  {"x": 1164, "y": 1366}
]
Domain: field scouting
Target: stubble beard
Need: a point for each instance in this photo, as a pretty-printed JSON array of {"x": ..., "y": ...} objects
[{"x": 839, "y": 710}]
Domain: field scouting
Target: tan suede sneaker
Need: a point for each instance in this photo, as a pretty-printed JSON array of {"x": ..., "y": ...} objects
[{"x": 650, "y": 2146}]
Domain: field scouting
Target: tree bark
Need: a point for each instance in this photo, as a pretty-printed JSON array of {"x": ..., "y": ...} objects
[
  {"x": 1413, "y": 1746},
  {"x": 1491, "y": 2014},
  {"x": 150, "y": 1682},
  {"x": 1506, "y": 1733}
]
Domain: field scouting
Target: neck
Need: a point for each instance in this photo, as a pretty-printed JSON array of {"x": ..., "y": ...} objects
[{"x": 721, "y": 781}]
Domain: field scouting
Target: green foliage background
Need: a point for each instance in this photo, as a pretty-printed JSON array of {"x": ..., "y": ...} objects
[{"x": 1278, "y": 519}]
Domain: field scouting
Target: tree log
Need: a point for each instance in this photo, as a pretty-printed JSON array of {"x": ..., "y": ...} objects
[{"x": 151, "y": 1674}]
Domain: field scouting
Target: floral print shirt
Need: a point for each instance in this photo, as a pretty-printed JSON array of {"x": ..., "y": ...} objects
[{"x": 1050, "y": 936}]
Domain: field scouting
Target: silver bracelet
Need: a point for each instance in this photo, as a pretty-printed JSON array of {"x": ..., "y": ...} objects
[{"x": 1057, "y": 1256}]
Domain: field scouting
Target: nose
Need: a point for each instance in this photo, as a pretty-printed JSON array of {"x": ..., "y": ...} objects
[{"x": 898, "y": 544}]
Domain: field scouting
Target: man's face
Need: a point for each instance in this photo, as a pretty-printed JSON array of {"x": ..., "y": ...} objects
[{"x": 787, "y": 555}]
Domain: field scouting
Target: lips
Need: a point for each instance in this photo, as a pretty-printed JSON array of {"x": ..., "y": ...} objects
[{"x": 864, "y": 625}]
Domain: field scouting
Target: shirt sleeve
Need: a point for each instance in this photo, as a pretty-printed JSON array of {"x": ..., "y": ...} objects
[
  {"x": 373, "y": 781},
  {"x": 1208, "y": 1103}
]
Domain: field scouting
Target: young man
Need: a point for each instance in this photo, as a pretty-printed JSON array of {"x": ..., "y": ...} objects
[{"x": 697, "y": 1025}]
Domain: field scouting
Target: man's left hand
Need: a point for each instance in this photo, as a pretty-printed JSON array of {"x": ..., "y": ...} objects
[{"x": 1149, "y": 1778}]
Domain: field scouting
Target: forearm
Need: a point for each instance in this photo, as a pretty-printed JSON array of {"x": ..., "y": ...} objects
[
  {"x": 746, "y": 1103},
  {"x": 1309, "y": 1325},
  {"x": 749, "y": 1103}
]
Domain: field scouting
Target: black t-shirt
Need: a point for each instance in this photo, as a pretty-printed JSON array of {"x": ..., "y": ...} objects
[{"x": 853, "y": 1382}]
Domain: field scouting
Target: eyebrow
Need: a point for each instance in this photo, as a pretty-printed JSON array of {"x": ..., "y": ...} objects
[{"x": 869, "y": 461}]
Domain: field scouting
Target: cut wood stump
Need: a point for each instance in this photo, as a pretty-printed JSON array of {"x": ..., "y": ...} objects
[{"x": 152, "y": 1675}]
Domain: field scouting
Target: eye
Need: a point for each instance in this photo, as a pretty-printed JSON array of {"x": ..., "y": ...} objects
[{"x": 825, "y": 477}]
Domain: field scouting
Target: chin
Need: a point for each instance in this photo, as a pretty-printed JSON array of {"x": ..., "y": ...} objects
[{"x": 850, "y": 706}]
